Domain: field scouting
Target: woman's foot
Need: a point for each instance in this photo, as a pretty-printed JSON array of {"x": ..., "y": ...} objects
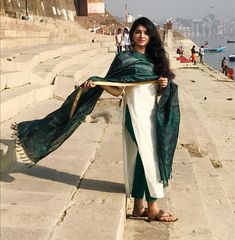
[
  {"x": 142, "y": 212},
  {"x": 156, "y": 214},
  {"x": 161, "y": 216}
]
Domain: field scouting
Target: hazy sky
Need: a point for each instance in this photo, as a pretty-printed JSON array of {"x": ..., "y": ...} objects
[{"x": 159, "y": 9}]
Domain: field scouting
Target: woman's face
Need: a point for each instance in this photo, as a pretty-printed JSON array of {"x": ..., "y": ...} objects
[{"x": 141, "y": 37}]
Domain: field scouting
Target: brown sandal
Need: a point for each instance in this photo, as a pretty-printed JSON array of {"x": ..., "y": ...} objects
[
  {"x": 161, "y": 218},
  {"x": 143, "y": 215}
]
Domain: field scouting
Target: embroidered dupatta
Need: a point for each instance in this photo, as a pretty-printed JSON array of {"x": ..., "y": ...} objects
[{"x": 38, "y": 138}]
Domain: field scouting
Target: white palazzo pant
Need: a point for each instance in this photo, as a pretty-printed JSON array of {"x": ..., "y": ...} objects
[{"x": 142, "y": 101}]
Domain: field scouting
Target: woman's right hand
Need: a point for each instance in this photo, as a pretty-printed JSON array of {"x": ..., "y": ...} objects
[{"x": 88, "y": 84}]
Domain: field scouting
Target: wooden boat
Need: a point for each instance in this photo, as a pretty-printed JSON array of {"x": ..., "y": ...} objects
[
  {"x": 231, "y": 57},
  {"x": 216, "y": 49},
  {"x": 230, "y": 73},
  {"x": 230, "y": 41}
]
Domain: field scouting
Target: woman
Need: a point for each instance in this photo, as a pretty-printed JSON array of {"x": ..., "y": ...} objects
[
  {"x": 141, "y": 167},
  {"x": 150, "y": 128}
]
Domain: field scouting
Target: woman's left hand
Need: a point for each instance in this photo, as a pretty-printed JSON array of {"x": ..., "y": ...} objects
[{"x": 163, "y": 82}]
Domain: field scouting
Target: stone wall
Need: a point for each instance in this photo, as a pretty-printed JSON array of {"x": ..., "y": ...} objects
[{"x": 58, "y": 9}]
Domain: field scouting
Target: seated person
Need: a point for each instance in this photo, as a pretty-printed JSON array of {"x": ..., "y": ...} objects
[{"x": 180, "y": 51}]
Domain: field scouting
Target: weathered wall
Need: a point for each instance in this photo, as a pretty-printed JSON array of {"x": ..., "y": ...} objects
[
  {"x": 96, "y": 7},
  {"x": 89, "y": 7},
  {"x": 59, "y": 9}
]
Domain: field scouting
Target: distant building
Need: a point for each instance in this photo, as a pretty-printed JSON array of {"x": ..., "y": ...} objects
[
  {"x": 89, "y": 7},
  {"x": 129, "y": 18}
]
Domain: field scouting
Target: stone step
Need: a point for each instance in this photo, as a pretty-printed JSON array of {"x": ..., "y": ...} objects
[
  {"x": 64, "y": 61},
  {"x": 44, "y": 73},
  {"x": 14, "y": 79},
  {"x": 39, "y": 39},
  {"x": 15, "y": 33},
  {"x": 38, "y": 110},
  {"x": 186, "y": 202},
  {"x": 16, "y": 99},
  {"x": 66, "y": 80},
  {"x": 43, "y": 201},
  {"x": 98, "y": 70},
  {"x": 211, "y": 165},
  {"x": 210, "y": 138},
  {"x": 49, "y": 69},
  {"x": 100, "y": 199},
  {"x": 35, "y": 199},
  {"x": 29, "y": 95},
  {"x": 27, "y": 58},
  {"x": 219, "y": 212},
  {"x": 9, "y": 43}
]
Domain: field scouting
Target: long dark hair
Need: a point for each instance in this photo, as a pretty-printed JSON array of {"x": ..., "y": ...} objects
[{"x": 155, "y": 48}]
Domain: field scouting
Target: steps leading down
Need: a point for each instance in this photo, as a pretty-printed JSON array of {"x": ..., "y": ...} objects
[
  {"x": 34, "y": 71},
  {"x": 50, "y": 74}
]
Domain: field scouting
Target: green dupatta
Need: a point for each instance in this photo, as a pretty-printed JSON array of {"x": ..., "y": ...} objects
[{"x": 38, "y": 138}]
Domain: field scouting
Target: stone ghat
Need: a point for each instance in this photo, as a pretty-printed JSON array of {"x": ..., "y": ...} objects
[{"x": 16, "y": 33}]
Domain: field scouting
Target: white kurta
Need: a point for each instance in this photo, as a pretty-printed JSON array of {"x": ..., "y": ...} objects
[{"x": 142, "y": 102}]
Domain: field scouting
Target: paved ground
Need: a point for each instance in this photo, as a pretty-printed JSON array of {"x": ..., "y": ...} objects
[
  {"x": 77, "y": 192},
  {"x": 202, "y": 190}
]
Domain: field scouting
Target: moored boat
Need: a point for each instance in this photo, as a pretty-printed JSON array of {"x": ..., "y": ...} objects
[
  {"x": 216, "y": 49},
  {"x": 231, "y": 57},
  {"x": 230, "y": 41}
]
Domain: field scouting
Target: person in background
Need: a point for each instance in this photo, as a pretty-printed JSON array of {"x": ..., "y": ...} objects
[
  {"x": 193, "y": 55},
  {"x": 118, "y": 39},
  {"x": 180, "y": 51},
  {"x": 126, "y": 39},
  {"x": 201, "y": 54},
  {"x": 224, "y": 66}
]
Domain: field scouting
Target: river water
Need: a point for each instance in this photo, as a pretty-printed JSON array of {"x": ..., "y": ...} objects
[{"x": 214, "y": 59}]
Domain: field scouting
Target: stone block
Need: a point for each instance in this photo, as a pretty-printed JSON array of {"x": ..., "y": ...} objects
[
  {"x": 102, "y": 50},
  {"x": 112, "y": 49},
  {"x": 96, "y": 45},
  {"x": 9, "y": 108},
  {"x": 26, "y": 99},
  {"x": 14, "y": 100},
  {"x": 64, "y": 86},
  {"x": 3, "y": 82},
  {"x": 108, "y": 44},
  {"x": 10, "y": 33},
  {"x": 15, "y": 79},
  {"x": 44, "y": 93},
  {"x": 7, "y": 43},
  {"x": 7, "y": 154}
]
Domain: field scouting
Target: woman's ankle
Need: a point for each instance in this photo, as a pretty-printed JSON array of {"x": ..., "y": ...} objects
[
  {"x": 153, "y": 207},
  {"x": 138, "y": 204}
]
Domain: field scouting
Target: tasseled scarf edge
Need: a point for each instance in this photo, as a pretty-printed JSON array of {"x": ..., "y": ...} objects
[{"x": 20, "y": 151}]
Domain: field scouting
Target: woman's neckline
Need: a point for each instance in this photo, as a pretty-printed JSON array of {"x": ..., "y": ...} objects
[{"x": 134, "y": 51}]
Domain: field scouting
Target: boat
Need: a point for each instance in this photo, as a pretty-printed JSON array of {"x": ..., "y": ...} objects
[
  {"x": 230, "y": 73},
  {"x": 216, "y": 49},
  {"x": 231, "y": 57},
  {"x": 230, "y": 41}
]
